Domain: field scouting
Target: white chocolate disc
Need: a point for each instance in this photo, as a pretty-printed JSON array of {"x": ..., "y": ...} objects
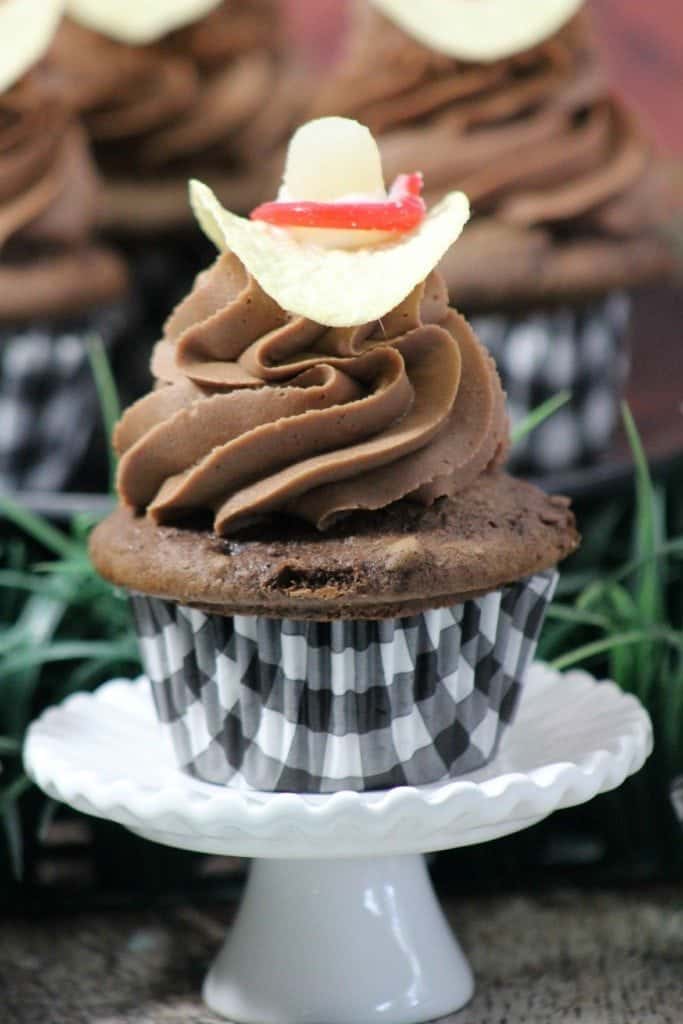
[
  {"x": 138, "y": 21},
  {"x": 479, "y": 30},
  {"x": 333, "y": 287},
  {"x": 26, "y": 31}
]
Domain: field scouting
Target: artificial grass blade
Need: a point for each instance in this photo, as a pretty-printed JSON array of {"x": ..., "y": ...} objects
[
  {"x": 37, "y": 527},
  {"x": 112, "y": 652},
  {"x": 10, "y": 794},
  {"x": 635, "y": 636},
  {"x": 14, "y": 837},
  {"x": 538, "y": 415},
  {"x": 576, "y": 616},
  {"x": 108, "y": 396},
  {"x": 647, "y": 531},
  {"x": 647, "y": 536}
]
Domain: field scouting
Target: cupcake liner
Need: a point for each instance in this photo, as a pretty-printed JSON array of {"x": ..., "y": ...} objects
[
  {"x": 316, "y": 707},
  {"x": 49, "y": 407},
  {"x": 541, "y": 353}
]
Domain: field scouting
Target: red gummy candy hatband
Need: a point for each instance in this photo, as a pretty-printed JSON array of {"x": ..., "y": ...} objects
[{"x": 404, "y": 210}]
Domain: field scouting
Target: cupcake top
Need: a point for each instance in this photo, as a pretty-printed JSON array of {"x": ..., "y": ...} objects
[
  {"x": 526, "y": 126},
  {"x": 388, "y": 563},
  {"x": 48, "y": 186},
  {"x": 165, "y": 87},
  {"x": 302, "y": 378},
  {"x": 335, "y": 455},
  {"x": 47, "y": 181}
]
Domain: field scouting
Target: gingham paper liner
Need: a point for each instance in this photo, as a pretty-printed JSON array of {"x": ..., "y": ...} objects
[
  {"x": 49, "y": 408},
  {"x": 316, "y": 707},
  {"x": 540, "y": 354}
]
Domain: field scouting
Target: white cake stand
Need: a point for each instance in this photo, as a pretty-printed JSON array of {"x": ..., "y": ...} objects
[{"x": 339, "y": 923}]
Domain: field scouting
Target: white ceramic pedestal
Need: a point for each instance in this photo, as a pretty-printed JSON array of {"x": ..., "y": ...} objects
[
  {"x": 339, "y": 923},
  {"x": 346, "y": 940}
]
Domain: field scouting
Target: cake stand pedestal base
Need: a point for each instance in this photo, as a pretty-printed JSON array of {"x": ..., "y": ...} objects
[{"x": 339, "y": 941}]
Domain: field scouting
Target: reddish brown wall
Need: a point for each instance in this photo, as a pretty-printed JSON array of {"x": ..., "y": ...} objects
[{"x": 643, "y": 40}]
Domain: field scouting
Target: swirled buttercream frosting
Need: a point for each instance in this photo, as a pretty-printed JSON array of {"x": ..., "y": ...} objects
[
  {"x": 257, "y": 412},
  {"x": 536, "y": 139},
  {"x": 195, "y": 97},
  {"x": 47, "y": 182},
  {"x": 49, "y": 264}
]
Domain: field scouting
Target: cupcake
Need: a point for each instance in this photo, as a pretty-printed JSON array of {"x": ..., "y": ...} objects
[
  {"x": 508, "y": 101},
  {"x": 58, "y": 285},
  {"x": 168, "y": 90},
  {"x": 336, "y": 585},
  {"x": 173, "y": 89}
]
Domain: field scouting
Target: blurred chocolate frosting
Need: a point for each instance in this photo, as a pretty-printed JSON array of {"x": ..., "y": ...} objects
[
  {"x": 210, "y": 100},
  {"x": 256, "y": 411},
  {"x": 48, "y": 202},
  {"x": 547, "y": 154}
]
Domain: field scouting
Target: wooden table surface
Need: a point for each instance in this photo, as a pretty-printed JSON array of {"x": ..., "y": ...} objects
[{"x": 564, "y": 956}]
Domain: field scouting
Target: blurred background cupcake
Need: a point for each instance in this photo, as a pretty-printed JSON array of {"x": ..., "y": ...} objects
[
  {"x": 59, "y": 287},
  {"x": 572, "y": 207},
  {"x": 171, "y": 90}
]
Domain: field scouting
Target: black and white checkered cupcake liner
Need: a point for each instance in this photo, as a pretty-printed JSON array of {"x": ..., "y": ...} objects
[
  {"x": 541, "y": 353},
  {"x": 317, "y": 707},
  {"x": 49, "y": 407}
]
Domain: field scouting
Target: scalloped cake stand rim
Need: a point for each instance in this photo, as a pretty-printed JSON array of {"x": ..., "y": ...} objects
[
  {"x": 342, "y": 875},
  {"x": 573, "y": 738}
]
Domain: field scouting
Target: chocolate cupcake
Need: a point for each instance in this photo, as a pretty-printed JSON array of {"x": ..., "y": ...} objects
[
  {"x": 172, "y": 90},
  {"x": 58, "y": 285},
  {"x": 177, "y": 89},
  {"x": 510, "y": 102},
  {"x": 336, "y": 585}
]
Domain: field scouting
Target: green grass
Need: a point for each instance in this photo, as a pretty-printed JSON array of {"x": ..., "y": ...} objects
[
  {"x": 108, "y": 395},
  {"x": 62, "y": 627},
  {"x": 537, "y": 416},
  {"x": 620, "y": 614},
  {"x": 619, "y": 619}
]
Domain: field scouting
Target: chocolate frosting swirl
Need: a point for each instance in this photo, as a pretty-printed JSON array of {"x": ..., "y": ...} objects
[
  {"x": 257, "y": 411},
  {"x": 49, "y": 264},
  {"x": 194, "y": 98},
  {"x": 48, "y": 189},
  {"x": 535, "y": 139}
]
